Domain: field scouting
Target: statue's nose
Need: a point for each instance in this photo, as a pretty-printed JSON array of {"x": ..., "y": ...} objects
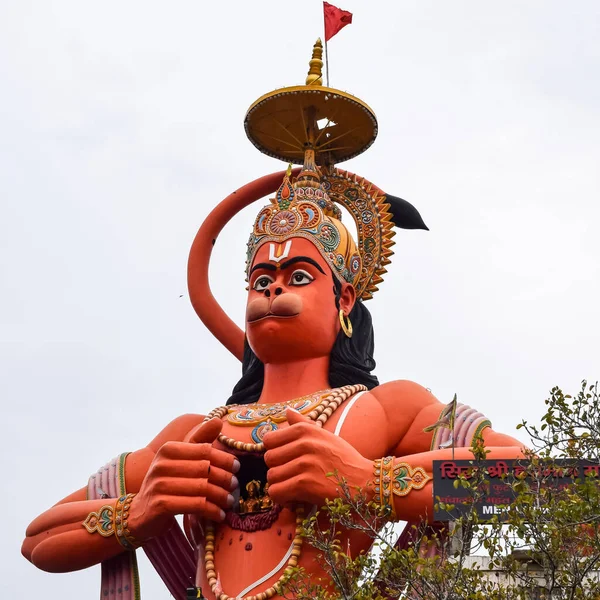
[{"x": 278, "y": 291}]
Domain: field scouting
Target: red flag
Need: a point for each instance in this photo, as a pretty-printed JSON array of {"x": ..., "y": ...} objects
[{"x": 335, "y": 19}]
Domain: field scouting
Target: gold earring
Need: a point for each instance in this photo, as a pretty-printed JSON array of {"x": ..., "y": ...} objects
[{"x": 346, "y": 324}]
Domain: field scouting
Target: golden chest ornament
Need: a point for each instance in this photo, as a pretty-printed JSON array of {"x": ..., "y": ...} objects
[
  {"x": 318, "y": 407},
  {"x": 264, "y": 417}
]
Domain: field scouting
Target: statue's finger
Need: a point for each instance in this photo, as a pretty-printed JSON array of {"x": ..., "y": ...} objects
[
  {"x": 224, "y": 460},
  {"x": 282, "y": 473},
  {"x": 183, "y": 468},
  {"x": 295, "y": 448},
  {"x": 207, "y": 432},
  {"x": 300, "y": 429},
  {"x": 185, "y": 451},
  {"x": 199, "y": 505},
  {"x": 180, "y": 486},
  {"x": 294, "y": 417},
  {"x": 285, "y": 492},
  {"x": 222, "y": 478}
]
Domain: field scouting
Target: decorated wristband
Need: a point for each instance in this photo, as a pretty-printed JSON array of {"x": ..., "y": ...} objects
[
  {"x": 112, "y": 520},
  {"x": 398, "y": 479}
]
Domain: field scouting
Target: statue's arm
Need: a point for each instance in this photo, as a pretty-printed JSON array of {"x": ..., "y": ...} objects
[
  {"x": 412, "y": 445},
  {"x": 57, "y": 541}
]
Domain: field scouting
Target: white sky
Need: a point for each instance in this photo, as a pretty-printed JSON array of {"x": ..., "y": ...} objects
[{"x": 121, "y": 127}]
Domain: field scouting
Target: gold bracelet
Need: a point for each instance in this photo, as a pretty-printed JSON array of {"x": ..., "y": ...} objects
[
  {"x": 112, "y": 520},
  {"x": 397, "y": 479},
  {"x": 101, "y": 521},
  {"x": 121, "y": 515},
  {"x": 382, "y": 471}
]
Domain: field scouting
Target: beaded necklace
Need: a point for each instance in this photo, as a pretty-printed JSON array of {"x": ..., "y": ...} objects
[
  {"x": 330, "y": 400},
  {"x": 323, "y": 405}
]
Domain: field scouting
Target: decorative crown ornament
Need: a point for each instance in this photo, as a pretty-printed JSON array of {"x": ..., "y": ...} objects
[
  {"x": 298, "y": 210},
  {"x": 307, "y": 207},
  {"x": 308, "y": 212}
]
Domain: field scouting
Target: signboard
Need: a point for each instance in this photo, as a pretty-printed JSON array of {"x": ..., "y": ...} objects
[{"x": 495, "y": 479}]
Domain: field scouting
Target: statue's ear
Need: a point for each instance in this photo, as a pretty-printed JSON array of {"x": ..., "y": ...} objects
[
  {"x": 347, "y": 298},
  {"x": 404, "y": 214}
]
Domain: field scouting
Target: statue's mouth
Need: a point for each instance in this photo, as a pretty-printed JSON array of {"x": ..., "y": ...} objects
[
  {"x": 284, "y": 306},
  {"x": 271, "y": 315}
]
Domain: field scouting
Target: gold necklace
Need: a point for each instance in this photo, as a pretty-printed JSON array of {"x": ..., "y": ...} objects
[
  {"x": 320, "y": 414},
  {"x": 245, "y": 415}
]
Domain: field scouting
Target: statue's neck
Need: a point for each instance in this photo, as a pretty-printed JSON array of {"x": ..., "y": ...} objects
[{"x": 287, "y": 381}]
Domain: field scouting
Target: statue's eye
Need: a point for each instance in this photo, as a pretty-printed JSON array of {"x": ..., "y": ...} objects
[
  {"x": 262, "y": 283},
  {"x": 300, "y": 277}
]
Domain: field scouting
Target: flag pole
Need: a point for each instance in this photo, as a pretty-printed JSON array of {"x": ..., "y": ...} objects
[
  {"x": 326, "y": 51},
  {"x": 326, "y": 64}
]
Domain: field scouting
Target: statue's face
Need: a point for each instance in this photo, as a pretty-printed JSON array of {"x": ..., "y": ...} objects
[{"x": 291, "y": 312}]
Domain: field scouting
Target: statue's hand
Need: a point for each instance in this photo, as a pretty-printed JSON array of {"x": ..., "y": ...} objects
[
  {"x": 185, "y": 477},
  {"x": 300, "y": 457}
]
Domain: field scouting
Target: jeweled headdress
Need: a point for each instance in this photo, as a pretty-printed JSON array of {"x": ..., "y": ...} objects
[
  {"x": 304, "y": 211},
  {"x": 285, "y": 124}
]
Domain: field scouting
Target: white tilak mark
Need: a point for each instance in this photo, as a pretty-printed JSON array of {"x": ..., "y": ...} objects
[
  {"x": 284, "y": 560},
  {"x": 284, "y": 254}
]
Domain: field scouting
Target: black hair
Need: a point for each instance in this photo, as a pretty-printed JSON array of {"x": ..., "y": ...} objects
[{"x": 350, "y": 362}]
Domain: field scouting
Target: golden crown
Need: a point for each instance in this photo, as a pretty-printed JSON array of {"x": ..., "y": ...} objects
[{"x": 313, "y": 124}]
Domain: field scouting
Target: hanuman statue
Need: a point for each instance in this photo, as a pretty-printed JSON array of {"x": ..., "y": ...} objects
[{"x": 307, "y": 404}]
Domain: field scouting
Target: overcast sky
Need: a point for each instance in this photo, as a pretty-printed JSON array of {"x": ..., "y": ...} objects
[{"x": 121, "y": 128}]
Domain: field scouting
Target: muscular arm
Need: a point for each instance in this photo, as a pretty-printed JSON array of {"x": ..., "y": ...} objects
[
  {"x": 56, "y": 541},
  {"x": 414, "y": 445}
]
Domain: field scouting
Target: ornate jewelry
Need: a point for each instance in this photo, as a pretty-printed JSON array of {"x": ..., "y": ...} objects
[
  {"x": 263, "y": 427},
  {"x": 109, "y": 520},
  {"x": 257, "y": 414},
  {"x": 407, "y": 478},
  {"x": 121, "y": 515},
  {"x": 396, "y": 479},
  {"x": 306, "y": 208},
  {"x": 381, "y": 478},
  {"x": 330, "y": 401},
  {"x": 101, "y": 522},
  {"x": 346, "y": 324}
]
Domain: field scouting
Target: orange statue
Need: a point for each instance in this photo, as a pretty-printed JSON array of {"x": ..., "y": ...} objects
[{"x": 307, "y": 403}]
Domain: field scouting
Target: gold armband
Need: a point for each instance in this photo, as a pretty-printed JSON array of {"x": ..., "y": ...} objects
[
  {"x": 112, "y": 520},
  {"x": 395, "y": 479}
]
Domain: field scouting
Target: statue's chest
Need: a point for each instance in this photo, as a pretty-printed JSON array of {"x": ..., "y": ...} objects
[
  {"x": 258, "y": 538},
  {"x": 360, "y": 421}
]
